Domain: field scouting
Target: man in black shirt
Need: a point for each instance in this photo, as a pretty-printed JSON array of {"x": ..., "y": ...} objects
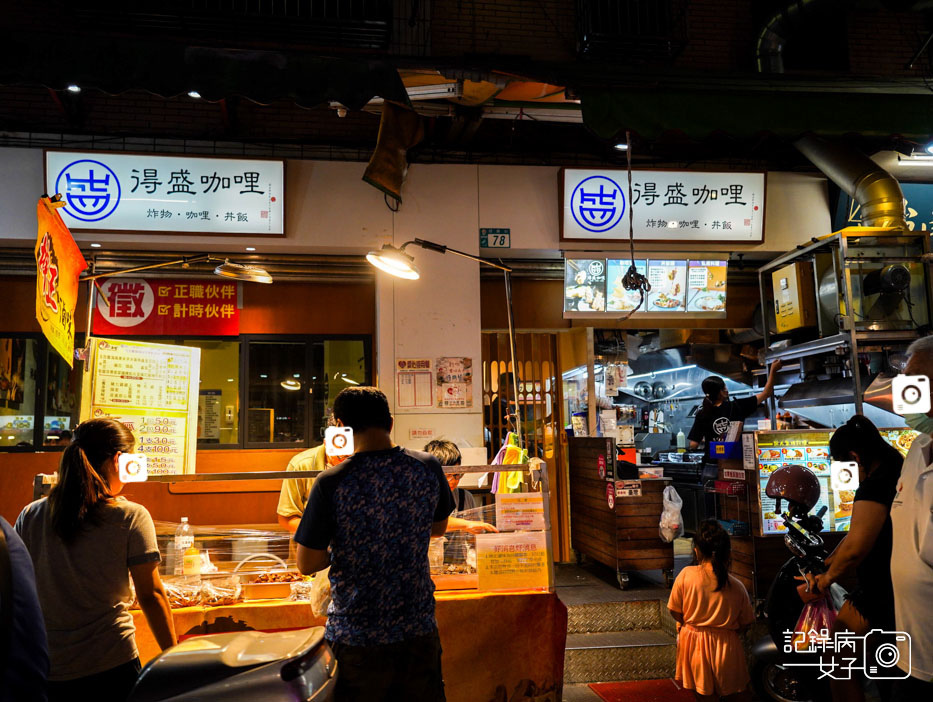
[{"x": 712, "y": 421}]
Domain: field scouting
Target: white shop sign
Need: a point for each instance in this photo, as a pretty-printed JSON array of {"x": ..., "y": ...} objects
[
  {"x": 666, "y": 206},
  {"x": 174, "y": 194}
]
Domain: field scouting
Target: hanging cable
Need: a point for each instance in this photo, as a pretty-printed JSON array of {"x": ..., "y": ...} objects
[{"x": 632, "y": 280}]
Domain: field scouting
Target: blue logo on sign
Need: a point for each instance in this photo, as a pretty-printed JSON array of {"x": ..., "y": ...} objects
[
  {"x": 91, "y": 190},
  {"x": 597, "y": 204}
]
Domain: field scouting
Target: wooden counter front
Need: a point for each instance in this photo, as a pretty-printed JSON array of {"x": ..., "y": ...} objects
[
  {"x": 495, "y": 644},
  {"x": 624, "y": 535}
]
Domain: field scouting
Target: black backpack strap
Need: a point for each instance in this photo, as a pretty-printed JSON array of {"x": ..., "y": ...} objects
[{"x": 6, "y": 598}]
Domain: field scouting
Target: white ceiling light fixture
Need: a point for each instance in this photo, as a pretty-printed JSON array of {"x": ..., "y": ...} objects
[
  {"x": 291, "y": 384},
  {"x": 250, "y": 248},
  {"x": 72, "y": 88},
  {"x": 194, "y": 94},
  {"x": 621, "y": 146},
  {"x": 95, "y": 246},
  {"x": 570, "y": 115}
]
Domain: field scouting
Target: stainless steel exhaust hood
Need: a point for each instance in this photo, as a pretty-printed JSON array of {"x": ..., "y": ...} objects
[{"x": 831, "y": 402}]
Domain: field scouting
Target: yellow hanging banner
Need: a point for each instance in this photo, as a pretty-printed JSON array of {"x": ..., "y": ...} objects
[{"x": 59, "y": 264}]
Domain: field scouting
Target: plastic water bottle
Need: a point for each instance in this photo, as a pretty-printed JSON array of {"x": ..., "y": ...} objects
[
  {"x": 681, "y": 441},
  {"x": 184, "y": 539}
]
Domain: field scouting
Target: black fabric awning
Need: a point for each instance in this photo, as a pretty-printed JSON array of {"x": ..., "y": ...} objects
[{"x": 119, "y": 64}]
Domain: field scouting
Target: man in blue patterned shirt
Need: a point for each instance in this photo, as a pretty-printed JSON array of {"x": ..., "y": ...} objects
[{"x": 376, "y": 513}]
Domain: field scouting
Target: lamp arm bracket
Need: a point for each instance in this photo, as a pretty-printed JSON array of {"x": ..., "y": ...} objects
[
  {"x": 183, "y": 261},
  {"x": 430, "y": 245}
]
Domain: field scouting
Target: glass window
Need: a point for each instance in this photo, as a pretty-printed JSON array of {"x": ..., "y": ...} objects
[
  {"x": 278, "y": 392},
  {"x": 62, "y": 399},
  {"x": 219, "y": 391},
  {"x": 19, "y": 367},
  {"x": 337, "y": 364}
]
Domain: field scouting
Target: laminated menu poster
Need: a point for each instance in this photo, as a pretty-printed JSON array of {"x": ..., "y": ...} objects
[
  {"x": 585, "y": 285},
  {"x": 454, "y": 382},
  {"x": 512, "y": 561},
  {"x": 773, "y": 523},
  {"x": 153, "y": 389},
  {"x": 706, "y": 286},
  {"x": 618, "y": 299},
  {"x": 901, "y": 439},
  {"x": 803, "y": 448},
  {"x": 668, "y": 280}
]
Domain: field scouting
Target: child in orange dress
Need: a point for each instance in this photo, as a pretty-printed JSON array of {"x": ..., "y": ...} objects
[{"x": 711, "y": 608}]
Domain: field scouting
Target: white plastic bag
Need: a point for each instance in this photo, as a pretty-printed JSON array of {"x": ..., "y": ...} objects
[
  {"x": 320, "y": 593},
  {"x": 671, "y": 524}
]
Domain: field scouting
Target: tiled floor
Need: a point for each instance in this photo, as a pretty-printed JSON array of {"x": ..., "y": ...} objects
[{"x": 594, "y": 582}]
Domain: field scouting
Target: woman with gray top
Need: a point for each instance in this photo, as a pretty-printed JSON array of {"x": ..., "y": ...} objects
[{"x": 85, "y": 542}]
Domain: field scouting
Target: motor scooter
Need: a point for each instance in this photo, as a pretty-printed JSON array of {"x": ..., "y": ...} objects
[
  {"x": 772, "y": 676},
  {"x": 248, "y": 665}
]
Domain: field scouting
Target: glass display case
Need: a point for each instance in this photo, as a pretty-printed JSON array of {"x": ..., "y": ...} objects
[{"x": 232, "y": 564}]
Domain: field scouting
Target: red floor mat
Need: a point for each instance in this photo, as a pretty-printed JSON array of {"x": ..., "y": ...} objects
[{"x": 642, "y": 691}]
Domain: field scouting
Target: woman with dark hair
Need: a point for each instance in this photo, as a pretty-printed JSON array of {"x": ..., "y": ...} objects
[
  {"x": 867, "y": 546},
  {"x": 711, "y": 609},
  {"x": 86, "y": 542},
  {"x": 711, "y": 422}
]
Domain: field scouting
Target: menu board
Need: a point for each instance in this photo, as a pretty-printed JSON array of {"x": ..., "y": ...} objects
[
  {"x": 811, "y": 450},
  {"x": 618, "y": 299},
  {"x": 706, "y": 286},
  {"x": 668, "y": 280},
  {"x": 593, "y": 288},
  {"x": 901, "y": 439},
  {"x": 585, "y": 285},
  {"x": 153, "y": 390}
]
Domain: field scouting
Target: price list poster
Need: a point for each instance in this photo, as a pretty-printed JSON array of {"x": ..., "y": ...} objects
[{"x": 153, "y": 389}]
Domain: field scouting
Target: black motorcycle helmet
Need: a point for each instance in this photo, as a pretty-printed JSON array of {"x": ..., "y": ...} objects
[{"x": 796, "y": 484}]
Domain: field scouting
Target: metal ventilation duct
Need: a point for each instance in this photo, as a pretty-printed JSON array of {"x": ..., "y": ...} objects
[{"x": 877, "y": 191}]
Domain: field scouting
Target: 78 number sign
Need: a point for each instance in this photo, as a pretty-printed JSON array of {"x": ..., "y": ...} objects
[{"x": 495, "y": 238}]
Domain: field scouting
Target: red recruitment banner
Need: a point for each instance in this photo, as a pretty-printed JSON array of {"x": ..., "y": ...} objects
[{"x": 166, "y": 307}]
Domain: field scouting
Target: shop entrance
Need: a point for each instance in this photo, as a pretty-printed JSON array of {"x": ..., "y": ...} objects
[{"x": 539, "y": 404}]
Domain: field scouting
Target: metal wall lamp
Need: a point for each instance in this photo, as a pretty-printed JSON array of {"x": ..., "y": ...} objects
[{"x": 396, "y": 262}]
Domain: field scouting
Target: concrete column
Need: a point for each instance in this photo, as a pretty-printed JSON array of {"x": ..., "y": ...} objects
[{"x": 439, "y": 314}]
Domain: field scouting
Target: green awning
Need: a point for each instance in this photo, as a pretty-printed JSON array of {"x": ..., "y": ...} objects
[{"x": 698, "y": 114}]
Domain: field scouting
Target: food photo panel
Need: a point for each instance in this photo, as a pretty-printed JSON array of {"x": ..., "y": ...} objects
[
  {"x": 668, "y": 281},
  {"x": 585, "y": 285}
]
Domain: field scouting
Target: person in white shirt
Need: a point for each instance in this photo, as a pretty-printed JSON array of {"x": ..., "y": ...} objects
[{"x": 912, "y": 553}]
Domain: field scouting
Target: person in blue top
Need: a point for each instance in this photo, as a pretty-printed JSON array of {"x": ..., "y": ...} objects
[
  {"x": 24, "y": 655},
  {"x": 371, "y": 519}
]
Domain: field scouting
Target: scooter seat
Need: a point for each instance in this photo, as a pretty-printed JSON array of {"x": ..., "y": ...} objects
[{"x": 204, "y": 660}]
